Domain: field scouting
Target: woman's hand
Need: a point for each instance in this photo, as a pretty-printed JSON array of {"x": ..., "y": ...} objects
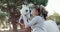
[{"x": 23, "y": 30}]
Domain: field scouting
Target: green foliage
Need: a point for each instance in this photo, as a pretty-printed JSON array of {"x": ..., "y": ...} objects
[
  {"x": 55, "y": 17},
  {"x": 4, "y": 1},
  {"x": 2, "y": 16},
  {"x": 39, "y": 2},
  {"x": 10, "y": 3},
  {"x": 18, "y": 2}
]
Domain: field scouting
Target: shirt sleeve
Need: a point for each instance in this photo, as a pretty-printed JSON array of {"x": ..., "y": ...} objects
[{"x": 32, "y": 22}]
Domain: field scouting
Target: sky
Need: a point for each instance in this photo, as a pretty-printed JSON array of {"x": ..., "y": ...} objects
[{"x": 53, "y": 6}]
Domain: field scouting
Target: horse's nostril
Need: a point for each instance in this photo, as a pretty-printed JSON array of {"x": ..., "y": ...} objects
[
  {"x": 25, "y": 15},
  {"x": 26, "y": 10}
]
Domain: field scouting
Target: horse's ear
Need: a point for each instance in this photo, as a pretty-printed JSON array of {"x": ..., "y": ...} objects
[{"x": 23, "y": 6}]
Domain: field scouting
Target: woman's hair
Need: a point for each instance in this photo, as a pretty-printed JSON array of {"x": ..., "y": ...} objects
[
  {"x": 41, "y": 11},
  {"x": 37, "y": 8}
]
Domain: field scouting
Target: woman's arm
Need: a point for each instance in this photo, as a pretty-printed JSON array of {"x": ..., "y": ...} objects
[
  {"x": 20, "y": 18},
  {"x": 21, "y": 22},
  {"x": 32, "y": 22}
]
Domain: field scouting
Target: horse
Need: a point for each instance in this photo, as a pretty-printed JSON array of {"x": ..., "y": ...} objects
[{"x": 26, "y": 10}]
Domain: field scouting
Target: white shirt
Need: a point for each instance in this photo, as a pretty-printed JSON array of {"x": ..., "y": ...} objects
[
  {"x": 51, "y": 26},
  {"x": 37, "y": 24}
]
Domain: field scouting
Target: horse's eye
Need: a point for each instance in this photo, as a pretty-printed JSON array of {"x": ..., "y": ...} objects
[{"x": 26, "y": 10}]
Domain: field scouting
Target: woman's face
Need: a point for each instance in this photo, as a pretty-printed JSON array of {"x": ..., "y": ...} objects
[{"x": 34, "y": 12}]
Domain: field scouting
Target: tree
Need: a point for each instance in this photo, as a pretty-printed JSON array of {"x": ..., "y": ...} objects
[
  {"x": 10, "y": 6},
  {"x": 55, "y": 17},
  {"x": 40, "y": 2},
  {"x": 2, "y": 18}
]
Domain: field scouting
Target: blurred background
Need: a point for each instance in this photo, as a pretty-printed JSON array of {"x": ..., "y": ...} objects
[{"x": 9, "y": 11}]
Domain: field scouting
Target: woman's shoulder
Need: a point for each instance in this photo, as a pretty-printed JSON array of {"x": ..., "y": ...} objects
[
  {"x": 39, "y": 17},
  {"x": 50, "y": 20}
]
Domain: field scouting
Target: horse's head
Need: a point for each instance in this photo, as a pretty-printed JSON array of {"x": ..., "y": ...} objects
[{"x": 26, "y": 10}]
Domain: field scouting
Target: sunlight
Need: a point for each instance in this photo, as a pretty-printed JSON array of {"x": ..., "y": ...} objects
[{"x": 53, "y": 6}]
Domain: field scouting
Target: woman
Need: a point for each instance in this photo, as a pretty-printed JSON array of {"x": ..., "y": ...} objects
[
  {"x": 37, "y": 23},
  {"x": 49, "y": 25}
]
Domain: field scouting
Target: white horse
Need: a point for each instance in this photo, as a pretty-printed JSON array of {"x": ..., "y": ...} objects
[
  {"x": 26, "y": 10},
  {"x": 50, "y": 26}
]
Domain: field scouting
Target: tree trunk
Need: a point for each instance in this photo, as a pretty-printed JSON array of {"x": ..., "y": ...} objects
[
  {"x": 14, "y": 26},
  {"x": 14, "y": 16}
]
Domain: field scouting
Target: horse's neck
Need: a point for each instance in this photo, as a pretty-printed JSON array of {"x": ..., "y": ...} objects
[{"x": 31, "y": 18}]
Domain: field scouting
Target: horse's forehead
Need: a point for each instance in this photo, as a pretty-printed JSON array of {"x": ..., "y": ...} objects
[
  {"x": 24, "y": 9},
  {"x": 23, "y": 6}
]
